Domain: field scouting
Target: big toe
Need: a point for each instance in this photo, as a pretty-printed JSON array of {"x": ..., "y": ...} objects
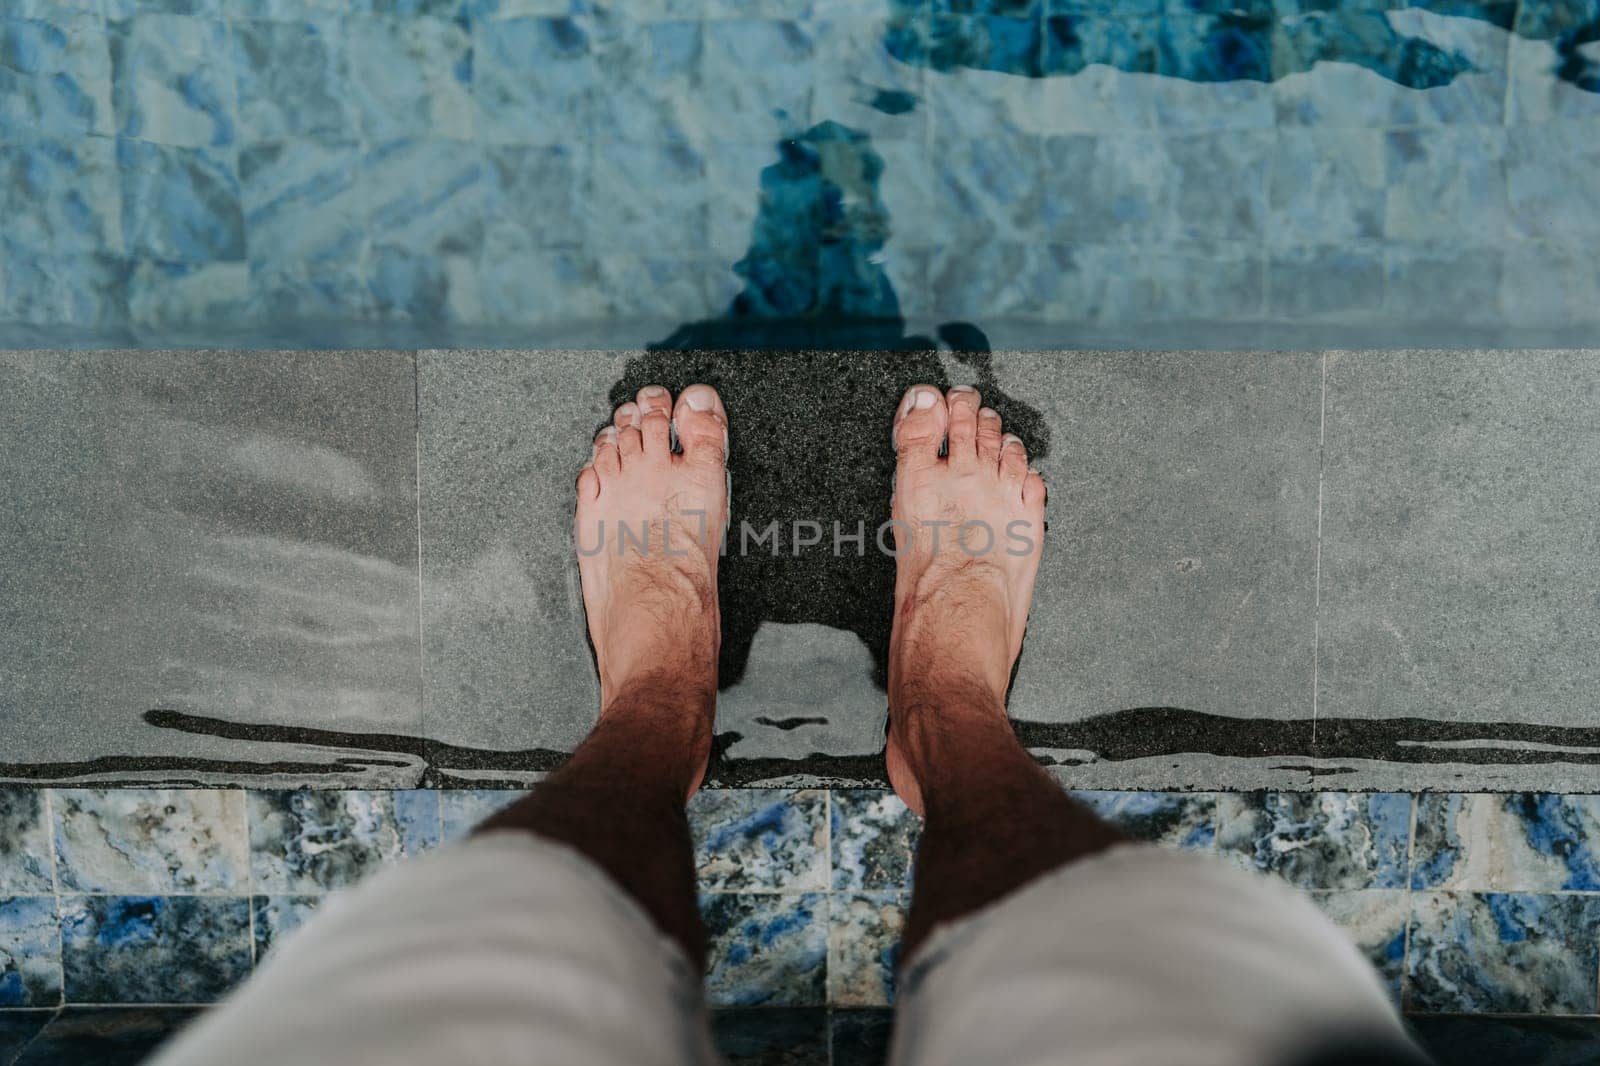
[
  {"x": 702, "y": 424},
  {"x": 919, "y": 425}
]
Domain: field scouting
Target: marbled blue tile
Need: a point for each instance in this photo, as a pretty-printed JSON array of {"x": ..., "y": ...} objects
[
  {"x": 171, "y": 81},
  {"x": 756, "y": 80},
  {"x": 303, "y": 204},
  {"x": 645, "y": 196},
  {"x": 534, "y": 80},
  {"x": 1553, "y": 179},
  {"x": 187, "y": 294},
  {"x": 1205, "y": 280},
  {"x": 18, "y": 1028},
  {"x": 536, "y": 199},
  {"x": 1125, "y": 41},
  {"x": 993, "y": 279},
  {"x": 30, "y": 952},
  {"x": 426, "y": 196},
  {"x": 873, "y": 836},
  {"x": 1375, "y": 919},
  {"x": 650, "y": 72},
  {"x": 153, "y": 949},
  {"x": 416, "y": 814},
  {"x": 1314, "y": 281},
  {"x": 461, "y": 810},
  {"x": 754, "y": 1036},
  {"x": 1319, "y": 839},
  {"x": 1521, "y": 842},
  {"x": 1549, "y": 281},
  {"x": 766, "y": 950},
  {"x": 55, "y": 76},
  {"x": 1443, "y": 281},
  {"x": 864, "y": 947},
  {"x": 104, "y": 1036},
  {"x": 1172, "y": 819},
  {"x": 292, "y": 81},
  {"x": 1503, "y": 953},
  {"x": 410, "y": 77},
  {"x": 1326, "y": 186},
  {"x": 129, "y": 841},
  {"x": 988, "y": 189},
  {"x": 972, "y": 89},
  {"x": 645, "y": 286},
  {"x": 305, "y": 842},
  {"x": 275, "y": 917},
  {"x": 1219, "y": 183},
  {"x": 1107, "y": 189},
  {"x": 860, "y": 1037},
  {"x": 860, "y": 84},
  {"x": 179, "y": 205},
  {"x": 752, "y": 839},
  {"x": 1446, "y": 183},
  {"x": 1208, "y": 47},
  {"x": 25, "y": 865}
]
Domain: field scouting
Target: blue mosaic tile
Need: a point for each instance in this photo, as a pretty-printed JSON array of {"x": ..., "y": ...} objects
[
  {"x": 462, "y": 810},
  {"x": 179, "y": 205},
  {"x": 760, "y": 839},
  {"x": 1326, "y": 186},
  {"x": 306, "y": 842},
  {"x": 1125, "y": 41},
  {"x": 874, "y": 836},
  {"x": 1121, "y": 188},
  {"x": 1202, "y": 46},
  {"x": 275, "y": 917},
  {"x": 653, "y": 195},
  {"x": 1553, "y": 179},
  {"x": 766, "y": 950},
  {"x": 1439, "y": 176},
  {"x": 186, "y": 294},
  {"x": 1319, "y": 840},
  {"x": 757, "y": 1037},
  {"x": 1506, "y": 953},
  {"x": 25, "y": 865},
  {"x": 1172, "y": 819},
  {"x": 153, "y": 949},
  {"x": 130, "y": 841},
  {"x": 1325, "y": 281},
  {"x": 416, "y": 814},
  {"x": 410, "y": 77},
  {"x": 534, "y": 196},
  {"x": 55, "y": 76},
  {"x": 651, "y": 77},
  {"x": 171, "y": 83},
  {"x": 534, "y": 80},
  {"x": 105, "y": 1036},
  {"x": 756, "y": 80},
  {"x": 30, "y": 952},
  {"x": 1376, "y": 920},
  {"x": 864, "y": 947},
  {"x": 291, "y": 82},
  {"x": 1522, "y": 842}
]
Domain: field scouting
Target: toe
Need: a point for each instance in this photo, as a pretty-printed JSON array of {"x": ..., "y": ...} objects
[
  {"x": 989, "y": 436},
  {"x": 1013, "y": 459},
  {"x": 963, "y": 401},
  {"x": 1033, "y": 489},
  {"x": 655, "y": 419},
  {"x": 919, "y": 425},
  {"x": 626, "y": 415},
  {"x": 702, "y": 425},
  {"x": 606, "y": 459},
  {"x": 588, "y": 483}
]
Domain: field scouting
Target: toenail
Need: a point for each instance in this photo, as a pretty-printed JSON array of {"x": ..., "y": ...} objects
[
  {"x": 989, "y": 412},
  {"x": 653, "y": 390},
  {"x": 925, "y": 399},
  {"x": 698, "y": 399},
  {"x": 963, "y": 388}
]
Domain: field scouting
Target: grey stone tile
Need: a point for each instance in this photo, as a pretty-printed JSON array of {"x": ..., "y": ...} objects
[
  {"x": 216, "y": 552},
  {"x": 1455, "y": 642},
  {"x": 1180, "y": 570}
]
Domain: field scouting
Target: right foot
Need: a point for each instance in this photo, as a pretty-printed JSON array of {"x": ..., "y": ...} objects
[
  {"x": 648, "y": 530},
  {"x": 961, "y": 599}
]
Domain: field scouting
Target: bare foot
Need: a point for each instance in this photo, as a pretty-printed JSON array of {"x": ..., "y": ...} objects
[
  {"x": 648, "y": 529},
  {"x": 969, "y": 529}
]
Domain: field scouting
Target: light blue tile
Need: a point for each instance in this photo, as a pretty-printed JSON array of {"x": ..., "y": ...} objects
[
  {"x": 274, "y": 917},
  {"x": 756, "y": 80},
  {"x": 24, "y": 843},
  {"x": 413, "y": 286},
  {"x": 650, "y": 73},
  {"x": 1521, "y": 842},
  {"x": 1211, "y": 281},
  {"x": 416, "y": 812},
  {"x": 1534, "y": 93},
  {"x": 1553, "y": 179},
  {"x": 982, "y": 81},
  {"x": 1549, "y": 281},
  {"x": 313, "y": 291},
  {"x": 549, "y": 285},
  {"x": 654, "y": 286},
  {"x": 1094, "y": 283},
  {"x": 874, "y": 836},
  {"x": 153, "y": 949},
  {"x": 171, "y": 81},
  {"x": 410, "y": 78},
  {"x": 864, "y": 947},
  {"x": 534, "y": 80},
  {"x": 1219, "y": 182},
  {"x": 1107, "y": 189},
  {"x": 1446, "y": 183},
  {"x": 990, "y": 189},
  {"x": 766, "y": 950},
  {"x": 645, "y": 197},
  {"x": 1443, "y": 282},
  {"x": 859, "y": 83},
  {"x": 30, "y": 952},
  {"x": 303, "y": 204},
  {"x": 306, "y": 842},
  {"x": 1326, "y": 186},
  {"x": 1328, "y": 840},
  {"x": 127, "y": 841},
  {"x": 87, "y": 289},
  {"x": 462, "y": 810},
  {"x": 180, "y": 205},
  {"x": 55, "y": 76},
  {"x": 992, "y": 279},
  {"x": 1172, "y": 819},
  {"x": 427, "y": 197},
  {"x": 760, "y": 839},
  {"x": 1325, "y": 281},
  {"x": 1375, "y": 919},
  {"x": 535, "y": 199},
  {"x": 187, "y": 294},
  {"x": 1503, "y": 953},
  {"x": 292, "y": 81}
]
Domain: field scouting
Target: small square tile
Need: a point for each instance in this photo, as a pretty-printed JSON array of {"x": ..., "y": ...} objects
[
  {"x": 292, "y": 81},
  {"x": 416, "y": 813},
  {"x": 759, "y": 1037},
  {"x": 180, "y": 205},
  {"x": 125, "y": 841},
  {"x": 1553, "y": 179},
  {"x": 30, "y": 952},
  {"x": 304, "y": 203},
  {"x": 1325, "y": 186},
  {"x": 651, "y": 74},
  {"x": 1441, "y": 175},
  {"x": 1521, "y": 842},
  {"x": 766, "y": 950},
  {"x": 864, "y": 947},
  {"x": 25, "y": 864},
  {"x": 62, "y": 196},
  {"x": 1107, "y": 189},
  {"x": 1319, "y": 839},
  {"x": 57, "y": 78},
  {"x": 154, "y": 949},
  {"x": 874, "y": 836},
  {"x": 759, "y": 74},
  {"x": 760, "y": 839},
  {"x": 410, "y": 77},
  {"x": 171, "y": 81},
  {"x": 1315, "y": 281},
  {"x": 1503, "y": 953},
  {"x": 1376, "y": 920},
  {"x": 305, "y": 842},
  {"x": 534, "y": 80},
  {"x": 275, "y": 917},
  {"x": 461, "y": 810},
  {"x": 645, "y": 196},
  {"x": 535, "y": 198},
  {"x": 1172, "y": 819}
]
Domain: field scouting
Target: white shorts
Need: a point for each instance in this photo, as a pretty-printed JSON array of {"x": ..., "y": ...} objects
[{"x": 506, "y": 948}]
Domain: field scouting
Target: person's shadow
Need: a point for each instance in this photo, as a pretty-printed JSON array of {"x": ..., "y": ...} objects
[{"x": 811, "y": 359}]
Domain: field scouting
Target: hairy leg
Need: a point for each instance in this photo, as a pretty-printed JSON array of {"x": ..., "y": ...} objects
[{"x": 994, "y": 819}]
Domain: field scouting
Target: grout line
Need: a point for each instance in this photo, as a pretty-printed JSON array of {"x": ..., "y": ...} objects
[
  {"x": 416, "y": 438},
  {"x": 48, "y": 808},
  {"x": 1411, "y": 902},
  {"x": 1316, "y": 600}
]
